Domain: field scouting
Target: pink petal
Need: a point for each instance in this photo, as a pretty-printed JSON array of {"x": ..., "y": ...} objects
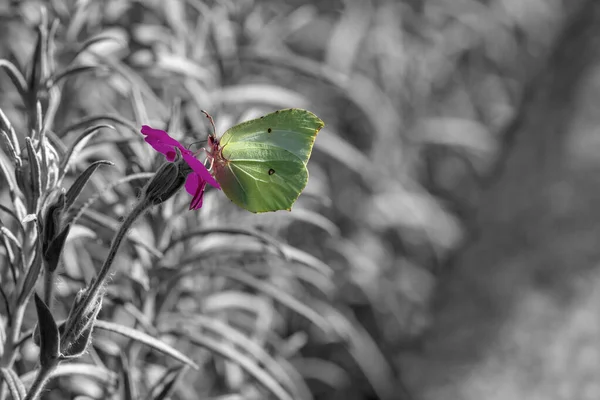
[
  {"x": 158, "y": 135},
  {"x": 162, "y": 142},
  {"x": 195, "y": 186},
  {"x": 162, "y": 148},
  {"x": 200, "y": 169}
]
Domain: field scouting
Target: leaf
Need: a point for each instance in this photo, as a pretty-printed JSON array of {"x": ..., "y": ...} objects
[
  {"x": 12, "y": 152},
  {"x": 49, "y": 335},
  {"x": 145, "y": 339},
  {"x": 263, "y": 237},
  {"x": 272, "y": 95},
  {"x": 468, "y": 136},
  {"x": 33, "y": 272},
  {"x": 72, "y": 71},
  {"x": 77, "y": 145},
  {"x": 129, "y": 386},
  {"x": 363, "y": 348},
  {"x": 39, "y": 68},
  {"x": 35, "y": 174},
  {"x": 167, "y": 383},
  {"x": 15, "y": 76},
  {"x": 339, "y": 149},
  {"x": 12, "y": 187},
  {"x": 98, "y": 373},
  {"x": 324, "y": 371},
  {"x": 346, "y": 39},
  {"x": 85, "y": 207},
  {"x": 52, "y": 254},
  {"x": 95, "y": 118},
  {"x": 77, "y": 186},
  {"x": 15, "y": 386},
  {"x": 279, "y": 295},
  {"x": 200, "y": 323},
  {"x": 100, "y": 38},
  {"x": 246, "y": 363}
]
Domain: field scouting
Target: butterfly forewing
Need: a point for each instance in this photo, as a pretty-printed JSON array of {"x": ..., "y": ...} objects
[{"x": 293, "y": 130}]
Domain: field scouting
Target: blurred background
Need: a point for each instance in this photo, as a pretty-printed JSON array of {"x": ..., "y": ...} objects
[{"x": 446, "y": 246}]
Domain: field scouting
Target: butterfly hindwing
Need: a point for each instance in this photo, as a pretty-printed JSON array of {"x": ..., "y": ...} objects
[{"x": 262, "y": 178}]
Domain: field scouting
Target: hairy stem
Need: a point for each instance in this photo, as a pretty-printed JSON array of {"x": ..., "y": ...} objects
[
  {"x": 98, "y": 283},
  {"x": 10, "y": 347},
  {"x": 40, "y": 381}
]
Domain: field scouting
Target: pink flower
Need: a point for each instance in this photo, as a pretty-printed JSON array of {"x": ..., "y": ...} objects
[{"x": 197, "y": 179}]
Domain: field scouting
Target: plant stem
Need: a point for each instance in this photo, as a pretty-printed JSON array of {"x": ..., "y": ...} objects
[
  {"x": 48, "y": 287},
  {"x": 9, "y": 355},
  {"x": 10, "y": 347},
  {"x": 41, "y": 380},
  {"x": 98, "y": 283}
]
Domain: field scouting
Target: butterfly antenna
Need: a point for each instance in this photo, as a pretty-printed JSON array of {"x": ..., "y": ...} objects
[
  {"x": 195, "y": 143},
  {"x": 212, "y": 123}
]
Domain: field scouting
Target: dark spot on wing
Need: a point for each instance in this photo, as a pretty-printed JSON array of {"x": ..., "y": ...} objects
[
  {"x": 271, "y": 171},
  {"x": 269, "y": 130}
]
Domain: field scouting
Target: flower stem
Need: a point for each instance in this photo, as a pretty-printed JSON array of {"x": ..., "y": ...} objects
[
  {"x": 41, "y": 380},
  {"x": 90, "y": 297}
]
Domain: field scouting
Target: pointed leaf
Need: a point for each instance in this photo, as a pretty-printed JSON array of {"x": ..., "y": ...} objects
[
  {"x": 100, "y": 38},
  {"x": 12, "y": 152},
  {"x": 52, "y": 254},
  {"x": 200, "y": 323},
  {"x": 129, "y": 387},
  {"x": 251, "y": 367},
  {"x": 52, "y": 220},
  {"x": 78, "y": 69},
  {"x": 7, "y": 126},
  {"x": 147, "y": 340},
  {"x": 49, "y": 336},
  {"x": 15, "y": 386},
  {"x": 167, "y": 383},
  {"x": 98, "y": 373},
  {"x": 79, "y": 144},
  {"x": 33, "y": 272},
  {"x": 94, "y": 118},
  {"x": 35, "y": 174},
  {"x": 79, "y": 184},
  {"x": 15, "y": 76},
  {"x": 39, "y": 68}
]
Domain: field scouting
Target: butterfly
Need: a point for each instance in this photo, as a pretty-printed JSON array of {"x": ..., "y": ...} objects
[{"x": 261, "y": 164}]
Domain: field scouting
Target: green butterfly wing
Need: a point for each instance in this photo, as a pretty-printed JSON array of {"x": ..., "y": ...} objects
[{"x": 264, "y": 160}]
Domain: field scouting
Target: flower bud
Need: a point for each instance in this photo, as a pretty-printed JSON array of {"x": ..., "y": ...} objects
[{"x": 166, "y": 182}]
